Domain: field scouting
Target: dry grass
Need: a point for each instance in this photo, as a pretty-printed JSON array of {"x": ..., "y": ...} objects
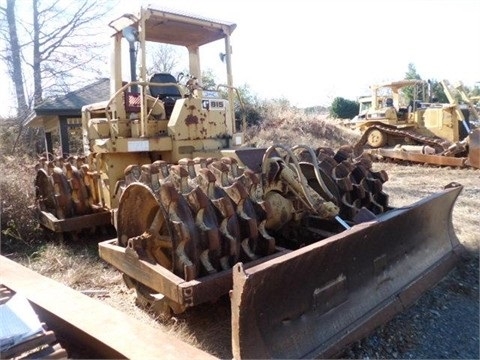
[
  {"x": 73, "y": 266},
  {"x": 292, "y": 127},
  {"x": 18, "y": 226},
  {"x": 78, "y": 266}
]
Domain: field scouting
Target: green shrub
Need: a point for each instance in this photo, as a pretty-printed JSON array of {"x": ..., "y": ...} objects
[{"x": 344, "y": 109}]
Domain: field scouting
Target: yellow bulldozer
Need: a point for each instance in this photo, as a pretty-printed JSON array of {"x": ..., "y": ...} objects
[
  {"x": 303, "y": 240},
  {"x": 414, "y": 126}
]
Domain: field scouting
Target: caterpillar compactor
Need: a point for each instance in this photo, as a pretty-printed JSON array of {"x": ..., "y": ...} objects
[
  {"x": 303, "y": 240},
  {"x": 401, "y": 120}
]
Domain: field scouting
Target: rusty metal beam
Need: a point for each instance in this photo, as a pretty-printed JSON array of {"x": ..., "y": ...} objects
[
  {"x": 420, "y": 158},
  {"x": 188, "y": 293},
  {"x": 73, "y": 224},
  {"x": 106, "y": 332}
]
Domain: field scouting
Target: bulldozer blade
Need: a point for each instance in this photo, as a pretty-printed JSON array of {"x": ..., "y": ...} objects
[
  {"x": 474, "y": 148},
  {"x": 314, "y": 301}
]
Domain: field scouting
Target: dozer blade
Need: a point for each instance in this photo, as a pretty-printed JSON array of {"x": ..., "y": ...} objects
[
  {"x": 314, "y": 301},
  {"x": 474, "y": 148}
]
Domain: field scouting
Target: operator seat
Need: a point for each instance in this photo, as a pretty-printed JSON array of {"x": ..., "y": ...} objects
[{"x": 168, "y": 94}]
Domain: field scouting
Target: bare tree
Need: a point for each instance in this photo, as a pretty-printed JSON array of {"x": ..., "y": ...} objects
[
  {"x": 168, "y": 58},
  {"x": 58, "y": 47},
  {"x": 64, "y": 49},
  {"x": 11, "y": 54},
  {"x": 164, "y": 58}
]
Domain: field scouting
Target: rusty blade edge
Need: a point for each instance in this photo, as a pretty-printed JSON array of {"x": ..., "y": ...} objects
[{"x": 316, "y": 299}]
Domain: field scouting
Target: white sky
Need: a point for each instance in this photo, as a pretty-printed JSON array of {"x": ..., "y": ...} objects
[{"x": 313, "y": 51}]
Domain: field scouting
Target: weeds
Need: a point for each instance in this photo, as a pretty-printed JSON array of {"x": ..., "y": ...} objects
[{"x": 19, "y": 228}]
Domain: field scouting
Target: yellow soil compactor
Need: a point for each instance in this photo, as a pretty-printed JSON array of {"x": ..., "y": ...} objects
[{"x": 303, "y": 240}]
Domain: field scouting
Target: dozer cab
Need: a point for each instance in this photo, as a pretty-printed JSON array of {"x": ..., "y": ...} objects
[
  {"x": 303, "y": 240},
  {"x": 416, "y": 127}
]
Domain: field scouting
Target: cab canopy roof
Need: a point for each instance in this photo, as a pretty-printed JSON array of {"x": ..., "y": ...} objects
[
  {"x": 396, "y": 85},
  {"x": 174, "y": 27}
]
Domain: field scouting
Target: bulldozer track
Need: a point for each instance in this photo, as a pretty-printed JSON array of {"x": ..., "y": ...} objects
[
  {"x": 437, "y": 143},
  {"x": 433, "y": 151}
]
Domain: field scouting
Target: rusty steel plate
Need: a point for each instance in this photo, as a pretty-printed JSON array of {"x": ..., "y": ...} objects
[{"x": 474, "y": 148}]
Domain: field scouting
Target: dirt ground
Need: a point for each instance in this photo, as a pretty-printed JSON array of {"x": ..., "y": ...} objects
[{"x": 442, "y": 324}]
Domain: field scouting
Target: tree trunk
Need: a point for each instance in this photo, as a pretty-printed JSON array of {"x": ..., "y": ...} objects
[
  {"x": 15, "y": 61},
  {"x": 37, "y": 60}
]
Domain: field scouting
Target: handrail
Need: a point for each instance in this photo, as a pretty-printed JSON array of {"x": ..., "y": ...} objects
[
  {"x": 108, "y": 111},
  {"x": 140, "y": 83}
]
